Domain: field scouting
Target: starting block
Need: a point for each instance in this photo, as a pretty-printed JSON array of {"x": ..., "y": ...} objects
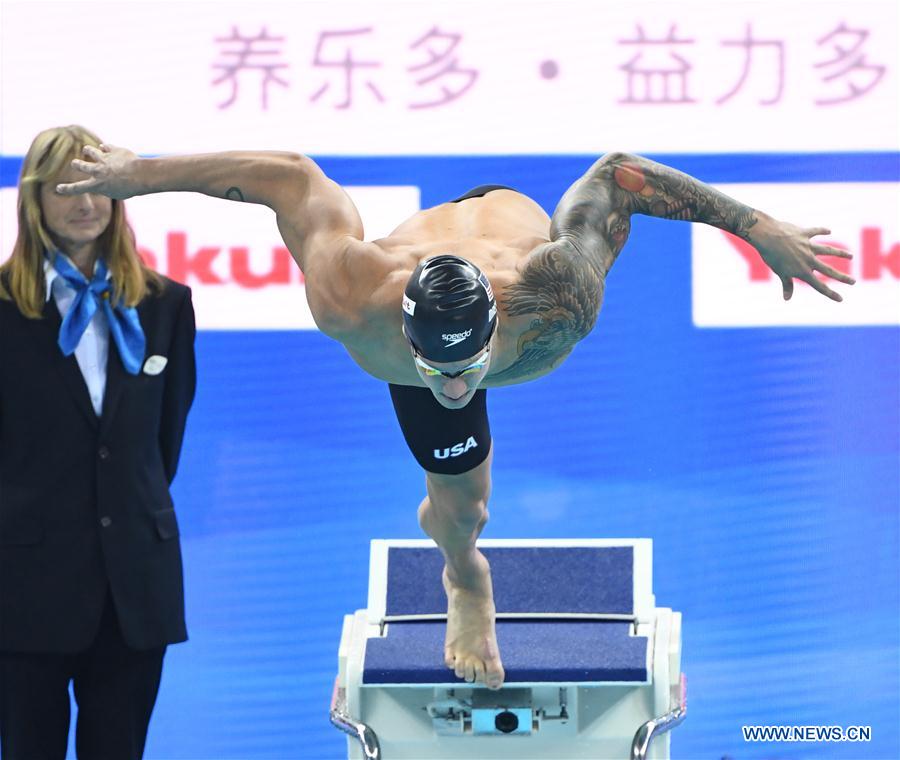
[{"x": 593, "y": 667}]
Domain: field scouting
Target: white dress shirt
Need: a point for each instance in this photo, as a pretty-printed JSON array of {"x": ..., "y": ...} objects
[{"x": 93, "y": 348}]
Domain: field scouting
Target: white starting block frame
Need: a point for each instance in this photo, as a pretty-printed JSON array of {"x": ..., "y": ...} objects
[{"x": 407, "y": 719}]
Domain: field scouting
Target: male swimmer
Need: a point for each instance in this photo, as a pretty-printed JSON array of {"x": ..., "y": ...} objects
[{"x": 472, "y": 294}]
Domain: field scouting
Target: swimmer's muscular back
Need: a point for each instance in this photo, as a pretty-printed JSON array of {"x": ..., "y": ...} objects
[
  {"x": 546, "y": 300},
  {"x": 549, "y": 291}
]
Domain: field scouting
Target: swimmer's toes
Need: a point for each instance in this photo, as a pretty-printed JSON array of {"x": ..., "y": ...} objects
[{"x": 494, "y": 675}]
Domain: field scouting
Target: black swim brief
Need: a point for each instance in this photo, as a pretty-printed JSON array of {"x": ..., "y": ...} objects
[
  {"x": 446, "y": 441},
  {"x": 481, "y": 190}
]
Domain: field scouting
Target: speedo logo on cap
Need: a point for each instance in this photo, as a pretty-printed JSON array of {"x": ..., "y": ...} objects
[{"x": 453, "y": 338}]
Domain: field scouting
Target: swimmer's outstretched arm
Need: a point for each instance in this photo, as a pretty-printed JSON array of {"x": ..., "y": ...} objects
[
  {"x": 252, "y": 176},
  {"x": 594, "y": 216},
  {"x": 311, "y": 208},
  {"x": 319, "y": 223}
]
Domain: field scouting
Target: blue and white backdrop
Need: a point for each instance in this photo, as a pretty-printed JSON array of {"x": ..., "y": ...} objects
[{"x": 756, "y": 442}]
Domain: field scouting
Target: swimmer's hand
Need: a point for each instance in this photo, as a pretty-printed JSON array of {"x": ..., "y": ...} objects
[
  {"x": 111, "y": 173},
  {"x": 790, "y": 252}
]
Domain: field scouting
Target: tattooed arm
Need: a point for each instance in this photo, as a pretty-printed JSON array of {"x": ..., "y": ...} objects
[
  {"x": 595, "y": 212},
  {"x": 560, "y": 290}
]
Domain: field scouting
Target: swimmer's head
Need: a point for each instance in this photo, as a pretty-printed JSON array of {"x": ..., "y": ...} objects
[
  {"x": 449, "y": 318},
  {"x": 449, "y": 311}
]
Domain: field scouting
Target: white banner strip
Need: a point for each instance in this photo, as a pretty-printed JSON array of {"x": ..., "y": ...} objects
[{"x": 462, "y": 77}]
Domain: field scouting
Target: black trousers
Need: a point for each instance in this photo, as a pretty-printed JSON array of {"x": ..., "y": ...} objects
[{"x": 115, "y": 689}]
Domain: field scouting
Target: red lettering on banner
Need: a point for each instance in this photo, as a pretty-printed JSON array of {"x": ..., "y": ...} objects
[
  {"x": 759, "y": 270},
  {"x": 874, "y": 259},
  {"x": 279, "y": 274},
  {"x": 181, "y": 265}
]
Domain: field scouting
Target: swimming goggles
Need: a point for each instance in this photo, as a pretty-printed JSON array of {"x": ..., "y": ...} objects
[{"x": 471, "y": 369}]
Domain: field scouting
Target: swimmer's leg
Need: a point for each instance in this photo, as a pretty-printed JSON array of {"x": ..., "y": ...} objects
[{"x": 454, "y": 513}]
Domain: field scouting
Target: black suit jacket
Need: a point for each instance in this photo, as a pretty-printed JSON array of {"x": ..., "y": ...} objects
[{"x": 84, "y": 501}]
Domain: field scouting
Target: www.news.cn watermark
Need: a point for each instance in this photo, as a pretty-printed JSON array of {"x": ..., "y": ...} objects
[{"x": 807, "y": 733}]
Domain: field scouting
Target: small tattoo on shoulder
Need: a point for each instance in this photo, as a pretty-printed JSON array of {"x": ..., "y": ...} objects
[{"x": 234, "y": 194}]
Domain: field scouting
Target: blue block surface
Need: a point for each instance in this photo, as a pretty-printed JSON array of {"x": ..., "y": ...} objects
[
  {"x": 585, "y": 580},
  {"x": 541, "y": 651}
]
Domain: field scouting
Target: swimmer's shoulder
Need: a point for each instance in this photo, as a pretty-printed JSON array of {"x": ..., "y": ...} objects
[
  {"x": 357, "y": 289},
  {"x": 546, "y": 309}
]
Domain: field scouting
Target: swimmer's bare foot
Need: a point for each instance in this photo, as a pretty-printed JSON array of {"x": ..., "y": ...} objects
[{"x": 470, "y": 649}]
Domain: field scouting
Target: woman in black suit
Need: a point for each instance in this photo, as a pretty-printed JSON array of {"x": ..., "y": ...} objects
[{"x": 97, "y": 376}]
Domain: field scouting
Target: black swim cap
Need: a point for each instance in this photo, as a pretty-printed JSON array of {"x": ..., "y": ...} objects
[{"x": 448, "y": 309}]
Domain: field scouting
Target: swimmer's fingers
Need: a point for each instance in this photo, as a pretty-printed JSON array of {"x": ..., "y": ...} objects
[
  {"x": 821, "y": 266},
  {"x": 87, "y": 167},
  {"x": 78, "y": 188},
  {"x": 787, "y": 287},
  {"x": 830, "y": 250},
  {"x": 820, "y": 249},
  {"x": 821, "y": 287},
  {"x": 110, "y": 170},
  {"x": 95, "y": 154},
  {"x": 93, "y": 168}
]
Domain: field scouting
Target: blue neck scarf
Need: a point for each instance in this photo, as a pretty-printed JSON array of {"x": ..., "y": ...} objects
[{"x": 124, "y": 325}]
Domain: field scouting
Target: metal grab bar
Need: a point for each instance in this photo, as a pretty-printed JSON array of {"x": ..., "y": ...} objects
[
  {"x": 653, "y": 728},
  {"x": 341, "y": 720}
]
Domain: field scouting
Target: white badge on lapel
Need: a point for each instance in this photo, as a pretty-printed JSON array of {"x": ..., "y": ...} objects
[{"x": 155, "y": 364}]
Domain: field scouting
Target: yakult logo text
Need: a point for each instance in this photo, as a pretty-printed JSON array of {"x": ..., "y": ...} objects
[
  {"x": 208, "y": 265},
  {"x": 457, "y": 449},
  {"x": 733, "y": 287}
]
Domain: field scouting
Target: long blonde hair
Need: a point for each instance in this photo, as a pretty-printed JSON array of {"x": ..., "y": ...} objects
[{"x": 22, "y": 275}]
